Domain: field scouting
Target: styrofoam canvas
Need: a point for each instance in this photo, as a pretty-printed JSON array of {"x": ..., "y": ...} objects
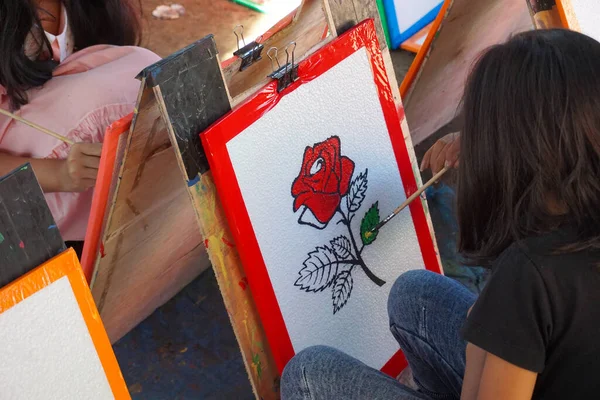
[
  {"x": 587, "y": 13},
  {"x": 407, "y": 17},
  {"x": 303, "y": 182},
  {"x": 53, "y": 345}
]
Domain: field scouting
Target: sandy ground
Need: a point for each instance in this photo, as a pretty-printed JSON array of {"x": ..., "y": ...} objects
[
  {"x": 220, "y": 17},
  {"x": 203, "y": 17}
]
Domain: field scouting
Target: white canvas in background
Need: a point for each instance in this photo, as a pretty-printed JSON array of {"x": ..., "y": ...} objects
[
  {"x": 267, "y": 157},
  {"x": 409, "y": 12},
  {"x": 46, "y": 350},
  {"x": 587, "y": 13}
]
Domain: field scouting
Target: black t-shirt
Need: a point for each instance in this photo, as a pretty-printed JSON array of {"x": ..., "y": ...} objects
[{"x": 541, "y": 312}]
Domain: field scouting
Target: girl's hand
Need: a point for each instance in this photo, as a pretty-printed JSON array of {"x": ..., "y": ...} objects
[
  {"x": 444, "y": 152},
  {"x": 79, "y": 171}
]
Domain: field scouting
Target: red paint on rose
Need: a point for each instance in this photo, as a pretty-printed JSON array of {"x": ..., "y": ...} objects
[
  {"x": 22, "y": 245},
  {"x": 323, "y": 180},
  {"x": 206, "y": 243}
]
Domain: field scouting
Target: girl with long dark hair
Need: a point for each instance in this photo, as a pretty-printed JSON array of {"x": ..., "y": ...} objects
[
  {"x": 528, "y": 207},
  {"x": 68, "y": 65}
]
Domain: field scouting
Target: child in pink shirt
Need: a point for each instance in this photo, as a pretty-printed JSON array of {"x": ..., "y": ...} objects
[{"x": 75, "y": 76}]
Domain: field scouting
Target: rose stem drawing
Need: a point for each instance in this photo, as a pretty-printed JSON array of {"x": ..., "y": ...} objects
[{"x": 324, "y": 182}]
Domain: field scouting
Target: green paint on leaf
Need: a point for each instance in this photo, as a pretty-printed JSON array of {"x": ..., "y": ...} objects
[
  {"x": 1, "y": 238},
  {"x": 369, "y": 222},
  {"x": 23, "y": 168}
]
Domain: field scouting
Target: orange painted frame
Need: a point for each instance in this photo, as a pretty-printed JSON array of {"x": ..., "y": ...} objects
[
  {"x": 562, "y": 14},
  {"x": 415, "y": 67},
  {"x": 101, "y": 192},
  {"x": 412, "y": 44},
  {"x": 67, "y": 264}
]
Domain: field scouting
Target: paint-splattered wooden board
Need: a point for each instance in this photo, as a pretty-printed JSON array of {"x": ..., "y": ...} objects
[
  {"x": 187, "y": 116},
  {"x": 467, "y": 29},
  {"x": 28, "y": 235}
]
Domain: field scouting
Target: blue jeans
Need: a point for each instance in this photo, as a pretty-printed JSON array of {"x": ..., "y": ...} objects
[{"x": 426, "y": 313}]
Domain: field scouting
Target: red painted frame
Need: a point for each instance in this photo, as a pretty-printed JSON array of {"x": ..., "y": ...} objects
[
  {"x": 92, "y": 243},
  {"x": 215, "y": 143}
]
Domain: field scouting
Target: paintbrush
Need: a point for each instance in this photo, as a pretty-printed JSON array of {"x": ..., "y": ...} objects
[
  {"x": 408, "y": 201},
  {"x": 38, "y": 127}
]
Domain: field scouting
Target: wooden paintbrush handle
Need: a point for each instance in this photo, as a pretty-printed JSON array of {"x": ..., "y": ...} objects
[
  {"x": 418, "y": 193},
  {"x": 36, "y": 126},
  {"x": 410, "y": 199}
]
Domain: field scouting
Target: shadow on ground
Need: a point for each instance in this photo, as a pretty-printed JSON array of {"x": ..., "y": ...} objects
[{"x": 185, "y": 350}]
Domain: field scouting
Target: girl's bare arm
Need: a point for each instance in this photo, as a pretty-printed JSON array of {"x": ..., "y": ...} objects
[{"x": 75, "y": 174}]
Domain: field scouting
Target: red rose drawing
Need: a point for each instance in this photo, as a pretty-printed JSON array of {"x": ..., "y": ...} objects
[
  {"x": 323, "y": 180},
  {"x": 324, "y": 183}
]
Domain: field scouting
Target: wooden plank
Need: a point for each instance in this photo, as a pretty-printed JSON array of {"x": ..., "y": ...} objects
[
  {"x": 214, "y": 228},
  {"x": 233, "y": 284},
  {"x": 183, "y": 78},
  {"x": 307, "y": 29},
  {"x": 343, "y": 15},
  {"x": 28, "y": 234},
  {"x": 151, "y": 243},
  {"x": 468, "y": 29}
]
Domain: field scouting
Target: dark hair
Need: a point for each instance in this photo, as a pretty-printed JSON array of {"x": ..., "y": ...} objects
[
  {"x": 530, "y": 148},
  {"x": 92, "y": 22}
]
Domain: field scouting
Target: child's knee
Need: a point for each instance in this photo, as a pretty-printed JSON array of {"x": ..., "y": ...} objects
[
  {"x": 302, "y": 367},
  {"x": 408, "y": 293}
]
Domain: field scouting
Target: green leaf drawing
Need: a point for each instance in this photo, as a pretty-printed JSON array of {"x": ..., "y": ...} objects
[{"x": 370, "y": 221}]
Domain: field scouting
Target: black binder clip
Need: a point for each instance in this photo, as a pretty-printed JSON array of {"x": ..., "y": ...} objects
[
  {"x": 249, "y": 53},
  {"x": 287, "y": 74}
]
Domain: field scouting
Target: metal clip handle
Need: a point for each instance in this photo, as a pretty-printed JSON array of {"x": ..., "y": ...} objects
[{"x": 287, "y": 74}]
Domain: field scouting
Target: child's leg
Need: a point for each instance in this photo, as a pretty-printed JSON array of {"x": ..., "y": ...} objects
[
  {"x": 426, "y": 313},
  {"x": 323, "y": 373}
]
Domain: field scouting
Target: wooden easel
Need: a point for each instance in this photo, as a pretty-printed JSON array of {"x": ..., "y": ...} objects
[
  {"x": 434, "y": 86},
  {"x": 152, "y": 246}
]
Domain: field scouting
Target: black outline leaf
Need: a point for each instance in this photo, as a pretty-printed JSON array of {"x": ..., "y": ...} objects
[
  {"x": 342, "y": 247},
  {"x": 320, "y": 269},
  {"x": 342, "y": 290},
  {"x": 370, "y": 221},
  {"x": 358, "y": 190}
]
